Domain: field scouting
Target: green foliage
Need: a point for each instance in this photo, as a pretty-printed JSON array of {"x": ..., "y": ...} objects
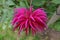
[
  {"x": 56, "y": 25},
  {"x": 56, "y": 1},
  {"x": 36, "y": 37},
  {"x": 38, "y": 2}
]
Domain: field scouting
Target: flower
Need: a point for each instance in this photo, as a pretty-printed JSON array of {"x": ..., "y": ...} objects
[{"x": 28, "y": 20}]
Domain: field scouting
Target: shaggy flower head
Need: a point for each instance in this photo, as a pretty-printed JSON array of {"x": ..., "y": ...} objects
[{"x": 28, "y": 20}]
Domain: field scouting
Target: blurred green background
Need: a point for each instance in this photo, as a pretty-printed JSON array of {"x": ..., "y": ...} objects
[{"x": 6, "y": 14}]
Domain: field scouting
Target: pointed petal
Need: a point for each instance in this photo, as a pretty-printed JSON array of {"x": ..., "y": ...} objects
[
  {"x": 31, "y": 7},
  {"x": 41, "y": 22},
  {"x": 14, "y": 20},
  {"x": 20, "y": 16},
  {"x": 16, "y": 26},
  {"x": 44, "y": 18},
  {"x": 20, "y": 29},
  {"x": 32, "y": 25},
  {"x": 27, "y": 31},
  {"x": 26, "y": 23},
  {"x": 37, "y": 27},
  {"x": 32, "y": 18},
  {"x": 39, "y": 12},
  {"x": 33, "y": 31}
]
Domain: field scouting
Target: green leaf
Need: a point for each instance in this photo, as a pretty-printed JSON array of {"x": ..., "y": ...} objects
[
  {"x": 56, "y": 1},
  {"x": 36, "y": 37},
  {"x": 2, "y": 2},
  {"x": 10, "y": 2},
  {"x": 22, "y": 4},
  {"x": 56, "y": 25},
  {"x": 38, "y": 2},
  {"x": 1, "y": 37},
  {"x": 4, "y": 15}
]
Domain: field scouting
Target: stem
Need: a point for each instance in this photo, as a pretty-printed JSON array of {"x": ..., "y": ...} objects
[
  {"x": 30, "y": 3},
  {"x": 26, "y": 3}
]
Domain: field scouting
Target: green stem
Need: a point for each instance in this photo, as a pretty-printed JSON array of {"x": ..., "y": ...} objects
[
  {"x": 30, "y": 2},
  {"x": 26, "y": 3}
]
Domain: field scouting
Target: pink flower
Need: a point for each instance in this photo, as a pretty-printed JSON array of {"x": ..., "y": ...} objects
[{"x": 29, "y": 20}]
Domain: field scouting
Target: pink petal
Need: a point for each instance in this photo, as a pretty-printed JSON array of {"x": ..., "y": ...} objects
[
  {"x": 14, "y": 20},
  {"x": 20, "y": 16},
  {"x": 44, "y": 18},
  {"x": 32, "y": 25},
  {"x": 33, "y": 31},
  {"x": 32, "y": 18},
  {"x": 31, "y": 7},
  {"x": 39, "y": 20},
  {"x": 20, "y": 10},
  {"x": 27, "y": 31},
  {"x": 37, "y": 27},
  {"x": 26, "y": 23},
  {"x": 16, "y": 26},
  {"x": 39, "y": 12}
]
